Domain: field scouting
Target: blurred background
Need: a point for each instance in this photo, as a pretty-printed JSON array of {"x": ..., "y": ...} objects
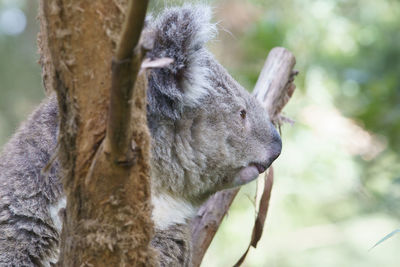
[{"x": 337, "y": 181}]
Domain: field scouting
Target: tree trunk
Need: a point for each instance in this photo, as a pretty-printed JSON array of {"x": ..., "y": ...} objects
[{"x": 103, "y": 143}]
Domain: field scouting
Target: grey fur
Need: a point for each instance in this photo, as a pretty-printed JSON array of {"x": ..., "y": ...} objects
[
  {"x": 201, "y": 143},
  {"x": 173, "y": 245},
  {"x": 27, "y": 233}
]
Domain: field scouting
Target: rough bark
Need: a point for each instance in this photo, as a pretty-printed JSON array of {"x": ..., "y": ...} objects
[
  {"x": 107, "y": 221},
  {"x": 274, "y": 89}
]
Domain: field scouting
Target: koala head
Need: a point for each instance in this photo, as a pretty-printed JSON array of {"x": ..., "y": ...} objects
[{"x": 208, "y": 133}]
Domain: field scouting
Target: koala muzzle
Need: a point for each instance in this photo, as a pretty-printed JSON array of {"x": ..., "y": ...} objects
[
  {"x": 252, "y": 171},
  {"x": 273, "y": 153},
  {"x": 274, "y": 148}
]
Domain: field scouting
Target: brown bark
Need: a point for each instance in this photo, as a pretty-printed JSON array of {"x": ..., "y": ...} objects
[
  {"x": 107, "y": 220},
  {"x": 274, "y": 89}
]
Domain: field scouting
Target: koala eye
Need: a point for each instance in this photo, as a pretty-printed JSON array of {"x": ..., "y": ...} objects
[{"x": 243, "y": 114}]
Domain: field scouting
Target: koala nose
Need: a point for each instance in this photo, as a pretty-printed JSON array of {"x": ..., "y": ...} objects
[{"x": 274, "y": 147}]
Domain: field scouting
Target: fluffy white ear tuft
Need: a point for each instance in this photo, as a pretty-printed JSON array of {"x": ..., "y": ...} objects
[
  {"x": 206, "y": 30},
  {"x": 181, "y": 34},
  {"x": 196, "y": 84}
]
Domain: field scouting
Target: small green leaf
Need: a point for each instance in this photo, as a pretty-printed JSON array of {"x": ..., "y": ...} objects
[{"x": 386, "y": 237}]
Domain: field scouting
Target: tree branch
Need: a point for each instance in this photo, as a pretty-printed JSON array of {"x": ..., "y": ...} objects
[
  {"x": 132, "y": 28},
  {"x": 275, "y": 86},
  {"x": 274, "y": 89},
  {"x": 125, "y": 68}
]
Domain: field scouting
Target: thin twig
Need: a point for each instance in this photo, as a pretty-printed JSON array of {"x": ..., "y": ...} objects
[
  {"x": 261, "y": 215},
  {"x": 125, "y": 68},
  {"x": 132, "y": 28}
]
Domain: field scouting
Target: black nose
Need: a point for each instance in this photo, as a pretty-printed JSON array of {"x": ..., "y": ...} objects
[{"x": 274, "y": 147}]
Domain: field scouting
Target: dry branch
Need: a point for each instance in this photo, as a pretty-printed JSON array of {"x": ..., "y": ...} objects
[
  {"x": 261, "y": 214},
  {"x": 125, "y": 68},
  {"x": 274, "y": 89}
]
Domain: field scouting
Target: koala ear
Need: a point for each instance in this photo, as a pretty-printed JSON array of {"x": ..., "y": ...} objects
[{"x": 180, "y": 34}]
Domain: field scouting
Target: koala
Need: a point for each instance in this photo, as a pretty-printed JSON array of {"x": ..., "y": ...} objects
[{"x": 207, "y": 134}]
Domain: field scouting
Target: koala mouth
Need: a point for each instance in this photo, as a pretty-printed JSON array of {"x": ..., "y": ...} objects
[
  {"x": 261, "y": 168},
  {"x": 250, "y": 172}
]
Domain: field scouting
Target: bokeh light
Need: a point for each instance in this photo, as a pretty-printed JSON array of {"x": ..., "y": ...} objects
[{"x": 12, "y": 21}]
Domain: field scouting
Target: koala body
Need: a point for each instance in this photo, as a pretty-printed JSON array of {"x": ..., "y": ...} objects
[{"x": 208, "y": 134}]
